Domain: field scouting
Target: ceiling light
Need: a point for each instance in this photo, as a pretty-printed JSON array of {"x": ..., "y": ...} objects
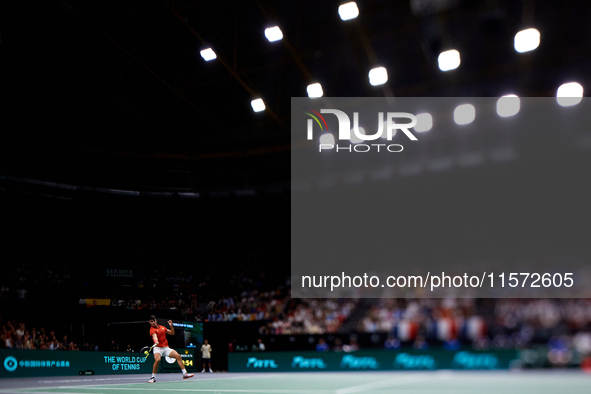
[
  {"x": 449, "y": 60},
  {"x": 273, "y": 33},
  {"x": 258, "y": 105}
]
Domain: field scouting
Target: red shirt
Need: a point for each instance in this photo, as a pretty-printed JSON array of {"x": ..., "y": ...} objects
[{"x": 160, "y": 334}]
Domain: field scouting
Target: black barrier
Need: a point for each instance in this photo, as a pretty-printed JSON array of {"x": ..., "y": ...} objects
[
  {"x": 370, "y": 360},
  {"x": 28, "y": 363}
]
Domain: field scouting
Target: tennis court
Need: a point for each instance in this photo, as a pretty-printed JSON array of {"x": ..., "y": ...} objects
[{"x": 539, "y": 382}]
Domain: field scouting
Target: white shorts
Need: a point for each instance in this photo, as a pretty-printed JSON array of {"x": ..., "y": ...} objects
[{"x": 164, "y": 351}]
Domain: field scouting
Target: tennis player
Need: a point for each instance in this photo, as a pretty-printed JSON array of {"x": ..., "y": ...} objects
[{"x": 158, "y": 334}]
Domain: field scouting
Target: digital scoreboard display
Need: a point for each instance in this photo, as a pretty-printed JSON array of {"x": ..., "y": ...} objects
[{"x": 192, "y": 333}]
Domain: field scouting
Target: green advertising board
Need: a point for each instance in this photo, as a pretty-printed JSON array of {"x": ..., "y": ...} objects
[
  {"x": 370, "y": 360},
  {"x": 27, "y": 363}
]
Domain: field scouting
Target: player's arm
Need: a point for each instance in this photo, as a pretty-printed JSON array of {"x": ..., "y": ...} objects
[
  {"x": 155, "y": 339},
  {"x": 171, "y": 330}
]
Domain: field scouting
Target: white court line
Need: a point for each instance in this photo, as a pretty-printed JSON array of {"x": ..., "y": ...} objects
[
  {"x": 41, "y": 392},
  {"x": 87, "y": 380},
  {"x": 90, "y": 386},
  {"x": 208, "y": 390},
  {"x": 379, "y": 384}
]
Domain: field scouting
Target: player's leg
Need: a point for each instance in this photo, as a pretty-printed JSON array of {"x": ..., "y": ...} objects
[
  {"x": 209, "y": 363},
  {"x": 157, "y": 358},
  {"x": 174, "y": 354}
]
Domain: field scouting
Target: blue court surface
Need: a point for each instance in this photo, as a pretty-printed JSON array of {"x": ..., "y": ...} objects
[{"x": 539, "y": 382}]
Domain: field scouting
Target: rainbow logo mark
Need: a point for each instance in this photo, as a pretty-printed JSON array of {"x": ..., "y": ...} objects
[{"x": 316, "y": 119}]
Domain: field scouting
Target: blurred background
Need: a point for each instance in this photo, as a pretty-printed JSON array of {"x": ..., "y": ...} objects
[{"x": 145, "y": 165}]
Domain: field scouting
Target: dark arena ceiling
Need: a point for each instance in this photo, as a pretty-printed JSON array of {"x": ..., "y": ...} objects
[{"x": 115, "y": 94}]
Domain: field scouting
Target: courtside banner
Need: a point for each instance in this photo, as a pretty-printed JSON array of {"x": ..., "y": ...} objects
[
  {"x": 440, "y": 197},
  {"x": 370, "y": 360},
  {"x": 192, "y": 363},
  {"x": 28, "y": 363}
]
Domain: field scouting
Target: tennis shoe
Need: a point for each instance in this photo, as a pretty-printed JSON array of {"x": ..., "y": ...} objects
[
  {"x": 152, "y": 380},
  {"x": 188, "y": 375}
]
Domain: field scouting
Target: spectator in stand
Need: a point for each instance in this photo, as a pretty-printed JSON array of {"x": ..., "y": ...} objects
[
  {"x": 38, "y": 341},
  {"x": 391, "y": 343},
  {"x": 29, "y": 344},
  {"x": 20, "y": 330},
  {"x": 322, "y": 346},
  {"x": 353, "y": 346},
  {"x": 64, "y": 345},
  {"x": 420, "y": 343},
  {"x": 6, "y": 342}
]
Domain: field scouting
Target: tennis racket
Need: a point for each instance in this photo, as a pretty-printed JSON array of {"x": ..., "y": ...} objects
[{"x": 146, "y": 351}]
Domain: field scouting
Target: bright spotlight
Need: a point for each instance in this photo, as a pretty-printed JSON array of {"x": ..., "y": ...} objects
[
  {"x": 273, "y": 33},
  {"x": 464, "y": 114},
  {"x": 424, "y": 122},
  {"x": 378, "y": 76},
  {"x": 569, "y": 94},
  {"x": 258, "y": 105},
  {"x": 354, "y": 139},
  {"x": 327, "y": 138},
  {"x": 527, "y": 40},
  {"x": 348, "y": 11},
  {"x": 314, "y": 90},
  {"x": 208, "y": 54},
  {"x": 508, "y": 105},
  {"x": 449, "y": 60}
]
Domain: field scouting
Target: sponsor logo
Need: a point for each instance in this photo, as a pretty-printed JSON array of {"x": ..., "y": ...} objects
[
  {"x": 407, "y": 361},
  {"x": 308, "y": 363},
  {"x": 256, "y": 363},
  {"x": 353, "y": 362},
  {"x": 117, "y": 273},
  {"x": 10, "y": 363},
  {"x": 387, "y": 128},
  {"x": 467, "y": 360}
]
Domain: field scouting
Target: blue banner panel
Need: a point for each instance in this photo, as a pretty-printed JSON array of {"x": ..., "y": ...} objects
[{"x": 28, "y": 363}]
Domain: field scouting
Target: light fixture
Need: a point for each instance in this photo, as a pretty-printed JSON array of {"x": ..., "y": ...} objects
[
  {"x": 208, "y": 54},
  {"x": 526, "y": 40},
  {"x": 348, "y": 11},
  {"x": 464, "y": 114},
  {"x": 258, "y": 105},
  {"x": 449, "y": 60},
  {"x": 424, "y": 122},
  {"x": 327, "y": 138},
  {"x": 314, "y": 90},
  {"x": 273, "y": 33},
  {"x": 378, "y": 76},
  {"x": 508, "y": 105},
  {"x": 568, "y": 94}
]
